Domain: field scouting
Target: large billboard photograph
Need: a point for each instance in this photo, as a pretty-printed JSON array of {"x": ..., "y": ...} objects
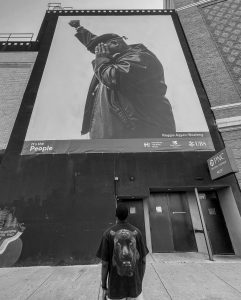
[{"x": 116, "y": 84}]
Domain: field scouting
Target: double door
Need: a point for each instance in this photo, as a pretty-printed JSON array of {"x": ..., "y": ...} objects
[
  {"x": 171, "y": 228},
  {"x": 170, "y": 223}
]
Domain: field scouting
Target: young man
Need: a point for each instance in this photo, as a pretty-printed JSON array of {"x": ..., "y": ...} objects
[
  {"x": 123, "y": 254},
  {"x": 126, "y": 98}
]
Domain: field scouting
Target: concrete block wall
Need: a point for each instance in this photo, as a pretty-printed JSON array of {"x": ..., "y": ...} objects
[
  {"x": 213, "y": 32},
  {"x": 15, "y": 70}
]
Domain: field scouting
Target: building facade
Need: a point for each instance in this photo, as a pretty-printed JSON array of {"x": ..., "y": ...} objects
[{"x": 54, "y": 207}]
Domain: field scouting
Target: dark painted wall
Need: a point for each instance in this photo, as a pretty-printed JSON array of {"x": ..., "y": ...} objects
[{"x": 66, "y": 202}]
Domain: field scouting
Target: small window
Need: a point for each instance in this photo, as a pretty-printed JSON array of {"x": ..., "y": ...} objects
[
  {"x": 132, "y": 210},
  {"x": 202, "y": 196},
  {"x": 159, "y": 209},
  {"x": 212, "y": 211}
]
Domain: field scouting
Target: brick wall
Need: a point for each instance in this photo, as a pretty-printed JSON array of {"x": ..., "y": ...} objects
[
  {"x": 15, "y": 70},
  {"x": 213, "y": 32},
  {"x": 223, "y": 21}
]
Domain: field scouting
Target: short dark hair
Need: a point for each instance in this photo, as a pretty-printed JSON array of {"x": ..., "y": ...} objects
[{"x": 121, "y": 211}]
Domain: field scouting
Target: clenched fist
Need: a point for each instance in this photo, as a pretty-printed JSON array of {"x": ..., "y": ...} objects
[{"x": 74, "y": 23}]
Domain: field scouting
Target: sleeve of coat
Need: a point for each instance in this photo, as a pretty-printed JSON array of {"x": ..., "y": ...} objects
[
  {"x": 132, "y": 68},
  {"x": 84, "y": 35}
]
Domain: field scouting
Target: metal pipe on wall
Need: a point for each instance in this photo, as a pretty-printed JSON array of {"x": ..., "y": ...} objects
[{"x": 210, "y": 254}]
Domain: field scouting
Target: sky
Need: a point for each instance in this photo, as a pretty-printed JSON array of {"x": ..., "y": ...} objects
[{"x": 25, "y": 16}]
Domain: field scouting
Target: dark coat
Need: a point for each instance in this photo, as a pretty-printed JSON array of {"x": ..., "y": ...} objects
[{"x": 126, "y": 98}]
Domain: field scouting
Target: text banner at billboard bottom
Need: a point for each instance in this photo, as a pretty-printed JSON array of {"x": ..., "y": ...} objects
[{"x": 169, "y": 142}]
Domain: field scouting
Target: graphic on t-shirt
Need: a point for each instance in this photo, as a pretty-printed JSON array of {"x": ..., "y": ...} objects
[{"x": 125, "y": 253}]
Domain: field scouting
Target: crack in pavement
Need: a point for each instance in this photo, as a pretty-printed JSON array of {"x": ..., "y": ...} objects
[
  {"x": 222, "y": 279},
  {"x": 161, "y": 281},
  {"x": 39, "y": 286}
]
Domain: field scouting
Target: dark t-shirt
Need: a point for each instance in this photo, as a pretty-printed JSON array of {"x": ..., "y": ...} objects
[{"x": 122, "y": 246}]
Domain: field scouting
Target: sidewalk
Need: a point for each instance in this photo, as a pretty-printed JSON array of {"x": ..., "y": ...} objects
[{"x": 187, "y": 276}]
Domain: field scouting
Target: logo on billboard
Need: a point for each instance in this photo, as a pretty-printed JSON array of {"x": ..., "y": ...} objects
[
  {"x": 197, "y": 144},
  {"x": 154, "y": 145},
  {"x": 147, "y": 145},
  {"x": 175, "y": 144}
]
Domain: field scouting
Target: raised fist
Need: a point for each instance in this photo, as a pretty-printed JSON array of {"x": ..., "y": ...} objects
[{"x": 74, "y": 23}]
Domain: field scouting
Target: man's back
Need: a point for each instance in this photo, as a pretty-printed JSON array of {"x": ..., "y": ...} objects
[{"x": 122, "y": 246}]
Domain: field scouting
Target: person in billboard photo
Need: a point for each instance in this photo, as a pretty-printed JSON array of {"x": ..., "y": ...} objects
[{"x": 126, "y": 97}]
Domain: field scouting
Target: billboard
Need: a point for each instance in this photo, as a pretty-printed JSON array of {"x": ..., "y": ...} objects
[{"x": 116, "y": 84}]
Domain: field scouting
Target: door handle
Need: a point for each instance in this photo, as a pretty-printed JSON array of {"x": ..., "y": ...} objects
[
  {"x": 198, "y": 231},
  {"x": 179, "y": 212}
]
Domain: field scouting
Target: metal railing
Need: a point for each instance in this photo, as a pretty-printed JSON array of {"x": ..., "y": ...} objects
[
  {"x": 54, "y": 6},
  {"x": 168, "y": 4},
  {"x": 57, "y": 6},
  {"x": 16, "y": 37}
]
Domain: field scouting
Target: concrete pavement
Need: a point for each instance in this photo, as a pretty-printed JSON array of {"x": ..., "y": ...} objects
[{"x": 179, "y": 276}]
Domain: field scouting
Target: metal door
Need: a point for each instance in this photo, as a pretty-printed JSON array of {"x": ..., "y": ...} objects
[
  {"x": 183, "y": 233},
  {"x": 215, "y": 223},
  {"x": 161, "y": 231},
  {"x": 136, "y": 214},
  {"x": 170, "y": 221}
]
